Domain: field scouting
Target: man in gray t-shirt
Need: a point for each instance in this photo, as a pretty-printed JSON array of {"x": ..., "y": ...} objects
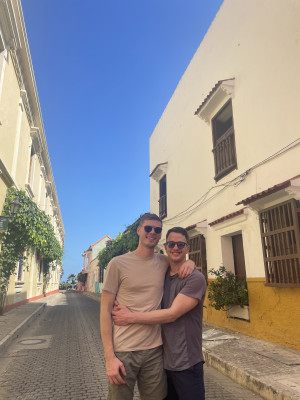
[{"x": 181, "y": 319}]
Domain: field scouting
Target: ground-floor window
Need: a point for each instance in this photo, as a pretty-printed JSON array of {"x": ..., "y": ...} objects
[
  {"x": 198, "y": 253},
  {"x": 280, "y": 236}
]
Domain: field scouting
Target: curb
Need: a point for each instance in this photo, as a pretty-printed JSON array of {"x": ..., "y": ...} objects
[
  {"x": 6, "y": 341},
  {"x": 263, "y": 389}
]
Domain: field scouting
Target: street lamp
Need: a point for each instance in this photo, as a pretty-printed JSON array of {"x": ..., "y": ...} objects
[{"x": 14, "y": 206}]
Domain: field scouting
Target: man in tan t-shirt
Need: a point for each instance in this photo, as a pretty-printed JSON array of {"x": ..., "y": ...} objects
[{"x": 133, "y": 353}]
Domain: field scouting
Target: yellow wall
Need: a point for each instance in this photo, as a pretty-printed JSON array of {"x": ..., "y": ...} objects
[
  {"x": 9, "y": 113},
  {"x": 3, "y": 190},
  {"x": 24, "y": 153},
  {"x": 274, "y": 314}
]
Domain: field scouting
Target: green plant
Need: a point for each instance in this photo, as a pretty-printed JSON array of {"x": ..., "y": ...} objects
[
  {"x": 227, "y": 290},
  {"x": 82, "y": 277},
  {"x": 63, "y": 285},
  {"x": 72, "y": 279},
  {"x": 30, "y": 228},
  {"x": 124, "y": 242}
]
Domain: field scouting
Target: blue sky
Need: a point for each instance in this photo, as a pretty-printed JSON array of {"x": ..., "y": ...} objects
[{"x": 105, "y": 71}]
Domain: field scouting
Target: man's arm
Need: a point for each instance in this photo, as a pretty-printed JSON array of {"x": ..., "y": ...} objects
[
  {"x": 113, "y": 364},
  {"x": 185, "y": 269},
  {"x": 181, "y": 305}
]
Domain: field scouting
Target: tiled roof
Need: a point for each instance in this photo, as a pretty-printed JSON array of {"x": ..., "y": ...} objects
[
  {"x": 106, "y": 236},
  {"x": 157, "y": 166},
  {"x": 190, "y": 227},
  {"x": 267, "y": 192},
  {"x": 228, "y": 216},
  {"x": 210, "y": 94}
]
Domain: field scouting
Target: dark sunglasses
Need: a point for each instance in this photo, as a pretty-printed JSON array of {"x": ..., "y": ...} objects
[
  {"x": 149, "y": 228},
  {"x": 180, "y": 245}
]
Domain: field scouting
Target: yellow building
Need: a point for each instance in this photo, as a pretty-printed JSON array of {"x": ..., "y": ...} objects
[
  {"x": 90, "y": 266},
  {"x": 24, "y": 158},
  {"x": 224, "y": 162}
]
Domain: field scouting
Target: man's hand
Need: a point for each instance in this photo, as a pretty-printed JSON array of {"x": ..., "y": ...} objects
[
  {"x": 113, "y": 368},
  {"x": 186, "y": 269},
  {"x": 121, "y": 315}
]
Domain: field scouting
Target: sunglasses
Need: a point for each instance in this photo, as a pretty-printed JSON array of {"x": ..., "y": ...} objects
[
  {"x": 180, "y": 245},
  {"x": 149, "y": 228}
]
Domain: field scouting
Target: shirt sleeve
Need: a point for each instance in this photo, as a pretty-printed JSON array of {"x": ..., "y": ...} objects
[
  {"x": 112, "y": 277},
  {"x": 195, "y": 286}
]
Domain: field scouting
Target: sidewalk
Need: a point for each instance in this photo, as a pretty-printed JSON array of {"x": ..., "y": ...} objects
[{"x": 269, "y": 370}]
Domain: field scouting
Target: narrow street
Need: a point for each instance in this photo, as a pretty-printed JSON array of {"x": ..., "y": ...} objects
[{"x": 60, "y": 356}]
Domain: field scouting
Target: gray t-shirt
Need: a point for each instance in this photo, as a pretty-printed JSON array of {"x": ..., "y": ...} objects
[{"x": 182, "y": 339}]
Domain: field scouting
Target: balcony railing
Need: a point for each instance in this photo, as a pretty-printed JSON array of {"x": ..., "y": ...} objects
[
  {"x": 224, "y": 154},
  {"x": 163, "y": 206}
]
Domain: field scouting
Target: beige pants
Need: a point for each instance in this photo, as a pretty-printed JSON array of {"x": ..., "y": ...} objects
[{"x": 144, "y": 367}]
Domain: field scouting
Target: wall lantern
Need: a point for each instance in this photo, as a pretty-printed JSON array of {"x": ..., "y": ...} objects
[{"x": 14, "y": 206}]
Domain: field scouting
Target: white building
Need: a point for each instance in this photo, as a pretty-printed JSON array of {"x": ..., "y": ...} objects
[{"x": 224, "y": 161}]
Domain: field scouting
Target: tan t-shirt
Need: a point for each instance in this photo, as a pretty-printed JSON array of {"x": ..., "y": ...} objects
[{"x": 138, "y": 284}]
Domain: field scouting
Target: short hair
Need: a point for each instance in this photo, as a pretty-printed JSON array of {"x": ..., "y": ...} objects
[
  {"x": 178, "y": 229},
  {"x": 149, "y": 216}
]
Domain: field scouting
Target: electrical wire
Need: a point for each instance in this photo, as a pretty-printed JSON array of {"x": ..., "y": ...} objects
[{"x": 233, "y": 182}]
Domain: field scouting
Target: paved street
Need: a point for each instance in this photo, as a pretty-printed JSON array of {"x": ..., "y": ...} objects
[{"x": 60, "y": 357}]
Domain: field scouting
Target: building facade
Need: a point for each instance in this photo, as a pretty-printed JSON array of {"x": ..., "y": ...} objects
[
  {"x": 224, "y": 162},
  {"x": 24, "y": 158},
  {"x": 95, "y": 276}
]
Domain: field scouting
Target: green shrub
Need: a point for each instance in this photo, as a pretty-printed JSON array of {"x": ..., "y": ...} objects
[{"x": 227, "y": 290}]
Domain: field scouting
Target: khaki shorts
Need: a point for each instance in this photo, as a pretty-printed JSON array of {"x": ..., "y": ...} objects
[{"x": 144, "y": 367}]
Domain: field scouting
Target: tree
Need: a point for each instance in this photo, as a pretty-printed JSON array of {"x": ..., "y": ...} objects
[
  {"x": 124, "y": 242},
  {"x": 82, "y": 277},
  {"x": 63, "y": 285},
  {"x": 72, "y": 278}
]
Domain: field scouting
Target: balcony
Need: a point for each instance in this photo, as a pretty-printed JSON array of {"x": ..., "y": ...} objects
[
  {"x": 163, "y": 206},
  {"x": 224, "y": 154}
]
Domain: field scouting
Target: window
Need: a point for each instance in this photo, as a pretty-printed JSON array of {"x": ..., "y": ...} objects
[
  {"x": 233, "y": 257},
  {"x": 197, "y": 253},
  {"x": 280, "y": 236},
  {"x": 223, "y": 142},
  {"x": 163, "y": 197},
  {"x": 238, "y": 255},
  {"x": 101, "y": 275},
  {"x": 40, "y": 270},
  {"x": 20, "y": 269},
  {"x": 31, "y": 166}
]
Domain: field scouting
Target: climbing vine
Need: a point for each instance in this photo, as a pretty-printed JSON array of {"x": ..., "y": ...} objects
[{"x": 30, "y": 228}]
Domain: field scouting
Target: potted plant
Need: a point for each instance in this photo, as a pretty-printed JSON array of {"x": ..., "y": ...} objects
[{"x": 228, "y": 290}]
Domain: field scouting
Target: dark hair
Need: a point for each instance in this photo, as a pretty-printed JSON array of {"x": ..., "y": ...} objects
[
  {"x": 178, "y": 229},
  {"x": 149, "y": 216}
]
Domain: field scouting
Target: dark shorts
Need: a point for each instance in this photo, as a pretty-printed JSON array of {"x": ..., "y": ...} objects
[{"x": 187, "y": 384}]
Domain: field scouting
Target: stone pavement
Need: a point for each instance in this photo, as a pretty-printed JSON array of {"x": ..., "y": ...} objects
[{"x": 269, "y": 370}]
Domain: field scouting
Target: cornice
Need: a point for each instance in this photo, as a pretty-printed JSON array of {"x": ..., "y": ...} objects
[
  {"x": 9, "y": 28},
  {"x": 27, "y": 107},
  {"x": 159, "y": 171},
  {"x": 13, "y": 33},
  {"x": 6, "y": 176},
  {"x": 220, "y": 92}
]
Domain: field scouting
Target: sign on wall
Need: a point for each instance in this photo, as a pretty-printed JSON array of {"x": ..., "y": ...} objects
[{"x": 3, "y": 223}]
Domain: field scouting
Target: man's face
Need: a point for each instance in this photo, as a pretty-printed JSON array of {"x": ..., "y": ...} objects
[
  {"x": 176, "y": 254},
  {"x": 149, "y": 239}
]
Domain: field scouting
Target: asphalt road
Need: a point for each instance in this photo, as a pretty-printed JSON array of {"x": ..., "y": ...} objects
[{"x": 60, "y": 356}]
